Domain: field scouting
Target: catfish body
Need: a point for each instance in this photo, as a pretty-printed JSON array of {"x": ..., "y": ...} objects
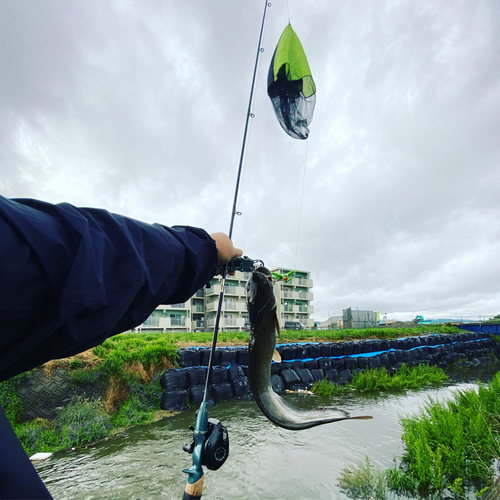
[{"x": 261, "y": 304}]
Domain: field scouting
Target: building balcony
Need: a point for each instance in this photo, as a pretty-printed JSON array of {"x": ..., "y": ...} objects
[
  {"x": 165, "y": 323},
  {"x": 181, "y": 305},
  {"x": 234, "y": 290},
  {"x": 234, "y": 306},
  {"x": 215, "y": 290},
  {"x": 211, "y": 306},
  {"x": 227, "y": 322},
  {"x": 302, "y": 282},
  {"x": 152, "y": 321}
]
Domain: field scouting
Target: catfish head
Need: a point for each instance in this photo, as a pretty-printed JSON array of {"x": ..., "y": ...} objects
[{"x": 261, "y": 302}]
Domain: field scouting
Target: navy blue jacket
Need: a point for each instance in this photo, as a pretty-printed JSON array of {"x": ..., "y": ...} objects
[{"x": 72, "y": 277}]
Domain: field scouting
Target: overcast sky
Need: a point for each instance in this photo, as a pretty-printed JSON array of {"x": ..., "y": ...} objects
[{"x": 139, "y": 107}]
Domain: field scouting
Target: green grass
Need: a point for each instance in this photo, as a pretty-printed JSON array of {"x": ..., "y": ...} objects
[
  {"x": 451, "y": 444},
  {"x": 80, "y": 423},
  {"x": 289, "y": 336},
  {"x": 365, "y": 333},
  {"x": 404, "y": 379},
  {"x": 378, "y": 379},
  {"x": 363, "y": 482},
  {"x": 128, "y": 364},
  {"x": 149, "y": 349},
  {"x": 9, "y": 399}
]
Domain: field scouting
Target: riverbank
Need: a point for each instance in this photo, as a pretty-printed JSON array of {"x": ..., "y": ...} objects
[
  {"x": 97, "y": 394},
  {"x": 450, "y": 450}
]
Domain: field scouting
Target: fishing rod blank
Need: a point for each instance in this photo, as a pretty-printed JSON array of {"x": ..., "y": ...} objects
[{"x": 202, "y": 432}]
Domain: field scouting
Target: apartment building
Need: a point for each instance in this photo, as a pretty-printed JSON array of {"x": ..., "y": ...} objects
[{"x": 293, "y": 299}]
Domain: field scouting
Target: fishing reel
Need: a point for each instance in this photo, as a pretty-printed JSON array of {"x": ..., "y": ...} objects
[
  {"x": 244, "y": 264},
  {"x": 215, "y": 448}
]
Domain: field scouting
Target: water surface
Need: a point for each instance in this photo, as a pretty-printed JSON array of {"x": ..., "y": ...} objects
[{"x": 265, "y": 462}]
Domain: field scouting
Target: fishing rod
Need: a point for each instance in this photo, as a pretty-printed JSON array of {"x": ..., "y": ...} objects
[{"x": 210, "y": 445}]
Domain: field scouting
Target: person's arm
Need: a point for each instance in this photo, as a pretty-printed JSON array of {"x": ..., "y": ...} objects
[{"x": 72, "y": 277}]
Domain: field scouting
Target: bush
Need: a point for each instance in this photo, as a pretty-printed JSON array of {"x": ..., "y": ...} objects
[
  {"x": 82, "y": 422},
  {"x": 453, "y": 444},
  {"x": 9, "y": 400},
  {"x": 38, "y": 435}
]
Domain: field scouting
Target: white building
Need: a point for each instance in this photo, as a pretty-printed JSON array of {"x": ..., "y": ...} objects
[{"x": 293, "y": 299}]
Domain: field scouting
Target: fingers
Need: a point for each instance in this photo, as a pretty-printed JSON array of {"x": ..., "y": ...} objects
[{"x": 225, "y": 248}]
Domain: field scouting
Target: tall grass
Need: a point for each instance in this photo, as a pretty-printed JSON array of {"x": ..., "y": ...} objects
[
  {"x": 149, "y": 349},
  {"x": 378, "y": 379},
  {"x": 452, "y": 444},
  {"x": 288, "y": 336},
  {"x": 363, "y": 482},
  {"x": 365, "y": 333}
]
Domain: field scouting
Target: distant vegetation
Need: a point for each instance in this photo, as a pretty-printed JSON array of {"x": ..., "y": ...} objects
[
  {"x": 289, "y": 336},
  {"x": 495, "y": 319}
]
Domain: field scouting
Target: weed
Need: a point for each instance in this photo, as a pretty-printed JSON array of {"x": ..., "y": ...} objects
[
  {"x": 75, "y": 364},
  {"x": 39, "y": 435},
  {"x": 9, "y": 400},
  {"x": 82, "y": 422},
  {"x": 363, "y": 482},
  {"x": 453, "y": 444},
  {"x": 328, "y": 389},
  {"x": 377, "y": 379}
]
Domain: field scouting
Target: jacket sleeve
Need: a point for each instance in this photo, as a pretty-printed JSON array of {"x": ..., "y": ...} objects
[{"x": 72, "y": 277}]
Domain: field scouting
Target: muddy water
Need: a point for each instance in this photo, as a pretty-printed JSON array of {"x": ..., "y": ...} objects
[{"x": 265, "y": 462}]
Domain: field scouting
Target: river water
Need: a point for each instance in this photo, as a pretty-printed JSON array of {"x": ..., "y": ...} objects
[{"x": 265, "y": 462}]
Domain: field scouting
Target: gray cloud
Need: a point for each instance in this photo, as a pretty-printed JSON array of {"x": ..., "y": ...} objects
[{"x": 140, "y": 107}]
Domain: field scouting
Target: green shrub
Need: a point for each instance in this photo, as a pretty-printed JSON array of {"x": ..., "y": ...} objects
[
  {"x": 75, "y": 364},
  {"x": 9, "y": 400},
  {"x": 38, "y": 436},
  {"x": 452, "y": 444},
  {"x": 82, "y": 422},
  {"x": 132, "y": 412},
  {"x": 328, "y": 389}
]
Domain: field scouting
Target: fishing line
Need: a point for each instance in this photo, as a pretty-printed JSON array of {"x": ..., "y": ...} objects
[
  {"x": 301, "y": 204},
  {"x": 252, "y": 115}
]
